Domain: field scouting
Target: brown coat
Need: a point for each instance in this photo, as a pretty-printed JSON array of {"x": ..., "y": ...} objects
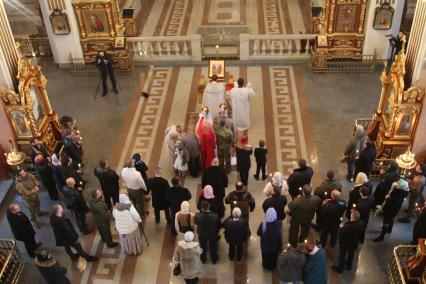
[{"x": 187, "y": 254}]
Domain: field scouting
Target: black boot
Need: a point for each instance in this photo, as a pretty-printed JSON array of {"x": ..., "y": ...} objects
[{"x": 382, "y": 235}]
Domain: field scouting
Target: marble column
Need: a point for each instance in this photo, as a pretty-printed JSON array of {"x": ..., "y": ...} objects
[
  {"x": 416, "y": 72},
  {"x": 8, "y": 73},
  {"x": 62, "y": 45},
  {"x": 375, "y": 40}
]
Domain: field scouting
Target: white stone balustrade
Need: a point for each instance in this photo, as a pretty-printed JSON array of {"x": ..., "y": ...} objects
[
  {"x": 263, "y": 47},
  {"x": 166, "y": 48}
]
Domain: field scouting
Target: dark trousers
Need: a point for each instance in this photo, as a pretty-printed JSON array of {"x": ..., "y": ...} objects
[
  {"x": 294, "y": 237},
  {"x": 104, "y": 76},
  {"x": 194, "y": 166},
  {"x": 239, "y": 248},
  {"x": 78, "y": 248},
  {"x": 332, "y": 231},
  {"x": 166, "y": 214},
  {"x": 108, "y": 197},
  {"x": 244, "y": 174},
  {"x": 351, "y": 168},
  {"x": 342, "y": 257},
  {"x": 173, "y": 211},
  {"x": 80, "y": 218},
  {"x": 191, "y": 281},
  {"x": 137, "y": 197},
  {"x": 212, "y": 243},
  {"x": 30, "y": 246},
  {"x": 260, "y": 166}
]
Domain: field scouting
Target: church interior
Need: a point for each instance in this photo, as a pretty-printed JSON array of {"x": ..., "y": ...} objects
[{"x": 127, "y": 73}]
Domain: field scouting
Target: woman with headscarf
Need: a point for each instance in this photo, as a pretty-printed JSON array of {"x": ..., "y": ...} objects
[
  {"x": 184, "y": 219},
  {"x": 207, "y": 140},
  {"x": 57, "y": 174},
  {"x": 386, "y": 180},
  {"x": 354, "y": 195},
  {"x": 187, "y": 256},
  {"x": 270, "y": 239},
  {"x": 127, "y": 221},
  {"x": 215, "y": 205},
  {"x": 278, "y": 180},
  {"x": 364, "y": 163}
]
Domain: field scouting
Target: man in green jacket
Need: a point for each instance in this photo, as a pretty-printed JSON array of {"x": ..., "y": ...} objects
[{"x": 101, "y": 216}]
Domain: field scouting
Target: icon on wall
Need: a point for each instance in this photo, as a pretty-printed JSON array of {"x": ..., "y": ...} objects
[
  {"x": 383, "y": 16},
  {"x": 59, "y": 21}
]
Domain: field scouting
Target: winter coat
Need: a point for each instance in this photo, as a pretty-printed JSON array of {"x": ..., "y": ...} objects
[
  {"x": 278, "y": 202},
  {"x": 237, "y": 231},
  {"x": 393, "y": 203},
  {"x": 216, "y": 206},
  {"x": 327, "y": 186},
  {"x": 302, "y": 209},
  {"x": 385, "y": 184},
  {"x": 127, "y": 219},
  {"x": 75, "y": 200},
  {"x": 331, "y": 212},
  {"x": 243, "y": 159},
  {"x": 290, "y": 265},
  {"x": 351, "y": 234},
  {"x": 419, "y": 229},
  {"x": 315, "y": 270},
  {"x": 241, "y": 199},
  {"x": 190, "y": 146},
  {"x": 58, "y": 177},
  {"x": 44, "y": 174},
  {"x": 260, "y": 155},
  {"x": 208, "y": 225},
  {"x": 187, "y": 254},
  {"x": 298, "y": 179},
  {"x": 52, "y": 272},
  {"x": 364, "y": 163},
  {"x": 217, "y": 178},
  {"x": 159, "y": 188},
  {"x": 108, "y": 180},
  {"x": 63, "y": 230},
  {"x": 176, "y": 195},
  {"x": 20, "y": 225},
  {"x": 355, "y": 195},
  {"x": 100, "y": 214},
  {"x": 271, "y": 240},
  {"x": 141, "y": 167},
  {"x": 364, "y": 206}
]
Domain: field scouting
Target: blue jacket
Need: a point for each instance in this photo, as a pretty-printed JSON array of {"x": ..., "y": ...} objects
[{"x": 315, "y": 271}]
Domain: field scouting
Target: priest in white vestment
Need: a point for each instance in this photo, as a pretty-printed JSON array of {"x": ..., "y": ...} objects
[
  {"x": 240, "y": 100},
  {"x": 214, "y": 95}
]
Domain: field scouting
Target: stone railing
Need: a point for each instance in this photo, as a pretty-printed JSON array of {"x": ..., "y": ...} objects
[
  {"x": 166, "y": 48},
  {"x": 264, "y": 47}
]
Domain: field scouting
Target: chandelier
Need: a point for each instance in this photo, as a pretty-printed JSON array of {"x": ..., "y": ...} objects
[{"x": 406, "y": 161}]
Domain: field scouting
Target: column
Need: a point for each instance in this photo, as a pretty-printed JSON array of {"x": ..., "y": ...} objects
[
  {"x": 375, "y": 40},
  {"x": 62, "y": 45},
  {"x": 8, "y": 73},
  {"x": 416, "y": 72}
]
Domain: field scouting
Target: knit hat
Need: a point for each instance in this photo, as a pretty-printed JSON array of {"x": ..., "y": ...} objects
[
  {"x": 189, "y": 236},
  {"x": 43, "y": 255}
]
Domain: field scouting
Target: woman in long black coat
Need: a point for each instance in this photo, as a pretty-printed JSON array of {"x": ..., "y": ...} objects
[
  {"x": 389, "y": 177},
  {"x": 364, "y": 163},
  {"x": 270, "y": 239}
]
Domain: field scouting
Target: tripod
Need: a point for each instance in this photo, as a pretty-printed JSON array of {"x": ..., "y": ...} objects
[{"x": 115, "y": 94}]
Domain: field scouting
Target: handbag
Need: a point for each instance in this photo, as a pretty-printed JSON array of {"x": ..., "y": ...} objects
[{"x": 177, "y": 270}]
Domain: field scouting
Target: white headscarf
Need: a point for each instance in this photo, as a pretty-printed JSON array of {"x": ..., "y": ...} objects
[
  {"x": 189, "y": 236},
  {"x": 123, "y": 198}
]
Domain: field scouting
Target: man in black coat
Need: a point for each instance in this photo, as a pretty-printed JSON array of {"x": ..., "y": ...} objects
[
  {"x": 159, "y": 188},
  {"x": 366, "y": 158},
  {"x": 176, "y": 195},
  {"x": 242, "y": 199},
  {"x": 350, "y": 234},
  {"x": 364, "y": 205},
  {"x": 108, "y": 179},
  {"x": 104, "y": 63},
  {"x": 51, "y": 271},
  {"x": 44, "y": 174},
  {"x": 217, "y": 178},
  {"x": 237, "y": 232},
  {"x": 300, "y": 176},
  {"x": 208, "y": 225},
  {"x": 386, "y": 180},
  {"x": 75, "y": 201},
  {"x": 276, "y": 201},
  {"x": 419, "y": 229},
  {"x": 65, "y": 234},
  {"x": 36, "y": 148},
  {"x": 331, "y": 214},
  {"x": 21, "y": 228}
]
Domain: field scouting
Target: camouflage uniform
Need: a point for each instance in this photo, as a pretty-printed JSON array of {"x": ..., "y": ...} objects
[
  {"x": 224, "y": 140},
  {"x": 28, "y": 187}
]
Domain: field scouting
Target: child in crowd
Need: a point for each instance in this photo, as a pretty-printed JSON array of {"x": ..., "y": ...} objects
[
  {"x": 180, "y": 164},
  {"x": 260, "y": 155}
]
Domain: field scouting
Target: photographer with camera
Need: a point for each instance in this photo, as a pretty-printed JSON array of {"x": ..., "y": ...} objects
[{"x": 104, "y": 63}]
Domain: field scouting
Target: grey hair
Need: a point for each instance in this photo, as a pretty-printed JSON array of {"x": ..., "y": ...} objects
[{"x": 236, "y": 212}]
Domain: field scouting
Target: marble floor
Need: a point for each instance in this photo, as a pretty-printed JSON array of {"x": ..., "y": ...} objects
[{"x": 300, "y": 114}]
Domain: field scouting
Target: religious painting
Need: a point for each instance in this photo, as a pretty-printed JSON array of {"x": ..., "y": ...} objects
[
  {"x": 119, "y": 42},
  {"x": 404, "y": 125},
  {"x": 346, "y": 20},
  {"x": 217, "y": 67},
  {"x": 59, "y": 21},
  {"x": 20, "y": 123},
  {"x": 96, "y": 22},
  {"x": 37, "y": 110},
  {"x": 383, "y": 17},
  {"x": 322, "y": 41}
]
